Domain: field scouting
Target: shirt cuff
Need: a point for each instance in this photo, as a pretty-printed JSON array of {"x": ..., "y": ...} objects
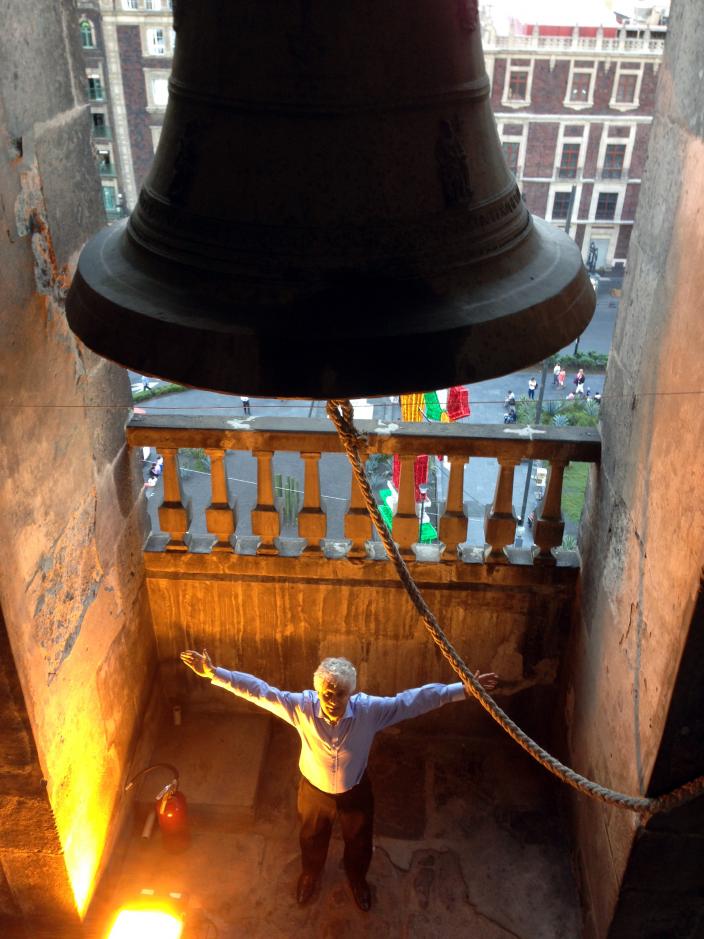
[
  {"x": 456, "y": 691},
  {"x": 221, "y": 677}
]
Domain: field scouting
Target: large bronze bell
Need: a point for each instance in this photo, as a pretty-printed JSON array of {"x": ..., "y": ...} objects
[{"x": 329, "y": 213}]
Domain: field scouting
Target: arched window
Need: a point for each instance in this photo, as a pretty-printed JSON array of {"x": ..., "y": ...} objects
[{"x": 87, "y": 34}]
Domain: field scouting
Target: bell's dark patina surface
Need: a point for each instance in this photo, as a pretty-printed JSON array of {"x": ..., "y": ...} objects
[{"x": 329, "y": 213}]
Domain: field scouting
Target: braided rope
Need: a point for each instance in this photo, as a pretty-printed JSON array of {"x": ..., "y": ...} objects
[{"x": 341, "y": 414}]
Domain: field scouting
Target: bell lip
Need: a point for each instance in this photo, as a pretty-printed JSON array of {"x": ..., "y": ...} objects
[{"x": 142, "y": 333}]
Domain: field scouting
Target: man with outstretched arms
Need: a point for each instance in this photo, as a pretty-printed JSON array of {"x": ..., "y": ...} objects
[{"x": 336, "y": 727}]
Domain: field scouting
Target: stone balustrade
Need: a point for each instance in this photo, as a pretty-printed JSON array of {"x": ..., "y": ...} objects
[
  {"x": 227, "y": 527},
  {"x": 649, "y": 44}
]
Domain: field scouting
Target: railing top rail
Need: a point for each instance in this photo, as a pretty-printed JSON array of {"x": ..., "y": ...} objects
[{"x": 311, "y": 435}]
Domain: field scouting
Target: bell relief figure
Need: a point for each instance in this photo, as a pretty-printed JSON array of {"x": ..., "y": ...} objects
[{"x": 452, "y": 164}]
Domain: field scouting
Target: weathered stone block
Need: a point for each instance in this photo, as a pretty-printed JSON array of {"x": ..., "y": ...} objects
[
  {"x": 39, "y": 884},
  {"x": 27, "y": 824},
  {"x": 67, "y": 165}
]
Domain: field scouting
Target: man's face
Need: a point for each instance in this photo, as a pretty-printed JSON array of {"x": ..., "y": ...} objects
[{"x": 333, "y": 700}]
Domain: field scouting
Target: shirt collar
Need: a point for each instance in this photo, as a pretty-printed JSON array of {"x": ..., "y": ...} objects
[{"x": 319, "y": 711}]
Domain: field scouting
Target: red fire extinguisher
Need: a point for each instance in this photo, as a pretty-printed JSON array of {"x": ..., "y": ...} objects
[
  {"x": 172, "y": 816},
  {"x": 171, "y": 810}
]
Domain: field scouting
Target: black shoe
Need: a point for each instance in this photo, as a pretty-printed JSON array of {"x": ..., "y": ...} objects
[
  {"x": 306, "y": 888},
  {"x": 362, "y": 895}
]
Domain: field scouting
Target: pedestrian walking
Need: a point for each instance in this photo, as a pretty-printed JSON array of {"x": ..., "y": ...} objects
[
  {"x": 562, "y": 377},
  {"x": 155, "y": 471},
  {"x": 510, "y": 400},
  {"x": 245, "y": 404},
  {"x": 532, "y": 385},
  {"x": 578, "y": 382},
  {"x": 556, "y": 375}
]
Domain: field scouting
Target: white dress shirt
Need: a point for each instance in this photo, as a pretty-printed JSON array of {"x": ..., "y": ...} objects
[{"x": 334, "y": 756}]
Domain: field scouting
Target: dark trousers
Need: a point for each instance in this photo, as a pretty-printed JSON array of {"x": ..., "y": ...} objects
[{"x": 318, "y": 810}]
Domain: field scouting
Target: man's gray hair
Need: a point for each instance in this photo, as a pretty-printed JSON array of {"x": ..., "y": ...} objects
[{"x": 338, "y": 671}]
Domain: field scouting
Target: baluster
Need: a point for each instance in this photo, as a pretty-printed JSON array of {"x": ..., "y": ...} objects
[
  {"x": 453, "y": 524},
  {"x": 405, "y": 523},
  {"x": 500, "y": 521},
  {"x": 549, "y": 524},
  {"x": 311, "y": 519},
  {"x": 265, "y": 518},
  {"x": 173, "y": 517},
  {"x": 220, "y": 517},
  {"x": 358, "y": 524}
]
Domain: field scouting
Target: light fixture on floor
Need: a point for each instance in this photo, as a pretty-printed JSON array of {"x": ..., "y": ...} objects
[{"x": 149, "y": 917}]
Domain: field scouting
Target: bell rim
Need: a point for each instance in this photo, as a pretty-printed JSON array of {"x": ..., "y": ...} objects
[{"x": 553, "y": 294}]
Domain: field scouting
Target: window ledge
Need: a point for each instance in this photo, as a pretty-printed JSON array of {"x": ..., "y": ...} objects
[
  {"x": 514, "y": 104},
  {"x": 623, "y": 106}
]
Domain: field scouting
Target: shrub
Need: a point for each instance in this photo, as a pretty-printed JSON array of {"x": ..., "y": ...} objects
[
  {"x": 288, "y": 497},
  {"x": 576, "y": 413},
  {"x": 573, "y": 490},
  {"x": 194, "y": 458},
  {"x": 525, "y": 410},
  {"x": 589, "y": 361},
  {"x": 157, "y": 391}
]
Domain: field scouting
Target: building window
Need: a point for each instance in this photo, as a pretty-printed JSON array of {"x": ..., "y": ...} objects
[
  {"x": 155, "y": 42},
  {"x": 626, "y": 87},
  {"x": 511, "y": 151},
  {"x": 606, "y": 206},
  {"x": 130, "y": 4},
  {"x": 614, "y": 159},
  {"x": 518, "y": 85},
  {"x": 95, "y": 89},
  {"x": 157, "y": 84},
  {"x": 105, "y": 164},
  {"x": 160, "y": 91},
  {"x": 110, "y": 198},
  {"x": 87, "y": 34},
  {"x": 580, "y": 86},
  {"x": 518, "y": 82},
  {"x": 569, "y": 161},
  {"x": 561, "y": 205},
  {"x": 100, "y": 127},
  {"x": 152, "y": 4}
]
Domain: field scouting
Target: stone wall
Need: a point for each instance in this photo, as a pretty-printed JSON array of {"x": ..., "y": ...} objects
[
  {"x": 71, "y": 579},
  {"x": 643, "y": 530},
  {"x": 276, "y": 617}
]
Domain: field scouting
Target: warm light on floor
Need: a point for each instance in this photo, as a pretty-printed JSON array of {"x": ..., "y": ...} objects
[{"x": 145, "y": 924}]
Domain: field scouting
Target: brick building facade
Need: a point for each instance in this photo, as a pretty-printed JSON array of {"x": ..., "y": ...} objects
[
  {"x": 573, "y": 107},
  {"x": 128, "y": 47}
]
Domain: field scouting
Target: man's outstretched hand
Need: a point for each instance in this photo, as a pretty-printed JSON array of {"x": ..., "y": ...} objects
[
  {"x": 201, "y": 664},
  {"x": 488, "y": 680}
]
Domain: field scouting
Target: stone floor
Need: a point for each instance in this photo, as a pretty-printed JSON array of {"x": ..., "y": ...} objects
[{"x": 468, "y": 843}]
